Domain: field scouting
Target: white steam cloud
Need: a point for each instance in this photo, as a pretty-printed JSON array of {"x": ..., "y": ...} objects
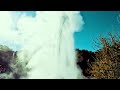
[{"x": 46, "y": 40}]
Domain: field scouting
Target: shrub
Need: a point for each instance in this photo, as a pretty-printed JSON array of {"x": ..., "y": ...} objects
[{"x": 107, "y": 61}]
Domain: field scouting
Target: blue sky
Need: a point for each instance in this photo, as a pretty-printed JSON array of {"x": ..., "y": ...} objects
[{"x": 96, "y": 23}]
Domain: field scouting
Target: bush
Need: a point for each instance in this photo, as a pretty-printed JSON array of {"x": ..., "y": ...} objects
[{"x": 107, "y": 61}]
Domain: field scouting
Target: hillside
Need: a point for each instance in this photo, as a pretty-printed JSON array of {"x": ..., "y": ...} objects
[{"x": 10, "y": 67}]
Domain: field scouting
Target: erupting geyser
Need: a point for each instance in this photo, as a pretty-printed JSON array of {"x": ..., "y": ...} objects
[{"x": 47, "y": 43}]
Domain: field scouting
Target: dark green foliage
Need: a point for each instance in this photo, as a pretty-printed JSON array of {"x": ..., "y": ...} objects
[{"x": 84, "y": 59}]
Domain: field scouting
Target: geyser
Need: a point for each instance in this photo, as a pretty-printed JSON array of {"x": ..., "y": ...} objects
[{"x": 47, "y": 43}]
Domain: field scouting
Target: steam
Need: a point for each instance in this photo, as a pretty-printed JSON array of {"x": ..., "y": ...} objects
[{"x": 46, "y": 40}]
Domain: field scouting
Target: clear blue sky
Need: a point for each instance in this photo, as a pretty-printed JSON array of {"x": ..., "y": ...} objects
[{"x": 96, "y": 23}]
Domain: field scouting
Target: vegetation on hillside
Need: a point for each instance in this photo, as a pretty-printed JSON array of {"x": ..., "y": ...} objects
[
  {"x": 10, "y": 67},
  {"x": 106, "y": 61},
  {"x": 84, "y": 59}
]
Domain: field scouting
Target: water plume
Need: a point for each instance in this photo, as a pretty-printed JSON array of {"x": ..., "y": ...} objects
[{"x": 48, "y": 44}]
